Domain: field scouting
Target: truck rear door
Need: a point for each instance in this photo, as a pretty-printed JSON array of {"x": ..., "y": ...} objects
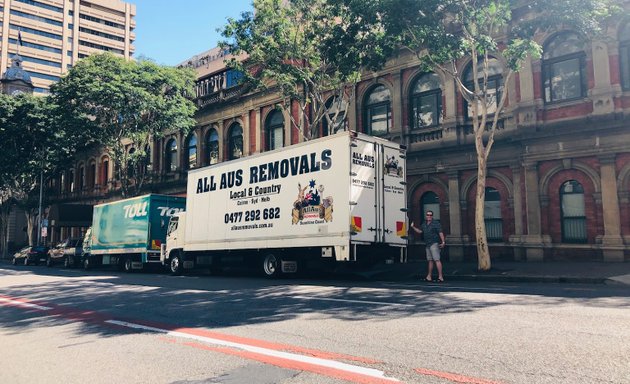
[{"x": 392, "y": 196}]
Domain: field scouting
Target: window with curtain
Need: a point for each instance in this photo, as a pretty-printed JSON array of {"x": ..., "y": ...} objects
[
  {"x": 377, "y": 111},
  {"x": 191, "y": 150},
  {"x": 235, "y": 142},
  {"x": 212, "y": 144},
  {"x": 492, "y": 215},
  {"x": 430, "y": 202},
  {"x": 275, "y": 130},
  {"x": 624, "y": 56},
  {"x": 564, "y": 68},
  {"x": 171, "y": 156},
  {"x": 495, "y": 85},
  {"x": 426, "y": 101},
  {"x": 573, "y": 212}
]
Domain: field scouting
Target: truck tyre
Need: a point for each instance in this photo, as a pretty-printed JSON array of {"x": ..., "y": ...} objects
[
  {"x": 127, "y": 265},
  {"x": 272, "y": 265},
  {"x": 176, "y": 265}
]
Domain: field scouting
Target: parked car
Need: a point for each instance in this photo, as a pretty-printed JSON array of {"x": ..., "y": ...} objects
[
  {"x": 31, "y": 255},
  {"x": 67, "y": 252}
]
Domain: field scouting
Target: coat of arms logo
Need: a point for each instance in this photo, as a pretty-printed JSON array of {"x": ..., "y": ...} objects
[{"x": 310, "y": 204}]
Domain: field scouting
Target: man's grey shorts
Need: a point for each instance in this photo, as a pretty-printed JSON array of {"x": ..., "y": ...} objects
[{"x": 433, "y": 252}]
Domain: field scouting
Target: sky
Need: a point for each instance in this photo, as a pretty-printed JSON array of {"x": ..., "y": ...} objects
[{"x": 170, "y": 32}]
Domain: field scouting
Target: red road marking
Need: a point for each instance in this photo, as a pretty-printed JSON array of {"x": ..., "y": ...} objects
[
  {"x": 103, "y": 319},
  {"x": 274, "y": 346},
  {"x": 295, "y": 365},
  {"x": 455, "y": 377}
]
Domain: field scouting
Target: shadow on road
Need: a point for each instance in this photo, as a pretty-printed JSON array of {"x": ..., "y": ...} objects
[{"x": 237, "y": 298}]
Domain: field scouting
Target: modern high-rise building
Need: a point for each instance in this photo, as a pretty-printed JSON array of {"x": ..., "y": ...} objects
[{"x": 51, "y": 35}]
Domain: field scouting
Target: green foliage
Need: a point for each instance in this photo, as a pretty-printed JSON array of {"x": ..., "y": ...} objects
[
  {"x": 33, "y": 145},
  {"x": 301, "y": 48},
  {"x": 114, "y": 99}
]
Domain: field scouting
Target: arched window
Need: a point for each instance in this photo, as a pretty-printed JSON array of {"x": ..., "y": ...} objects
[
  {"x": 335, "y": 115},
  {"x": 70, "y": 187},
  {"x": 495, "y": 85},
  {"x": 81, "y": 178},
  {"x": 564, "y": 68},
  {"x": 492, "y": 215},
  {"x": 426, "y": 101},
  {"x": 170, "y": 158},
  {"x": 191, "y": 150},
  {"x": 573, "y": 212},
  {"x": 235, "y": 143},
  {"x": 274, "y": 127},
  {"x": 148, "y": 158},
  {"x": 91, "y": 175},
  {"x": 62, "y": 182},
  {"x": 624, "y": 56},
  {"x": 104, "y": 170},
  {"x": 212, "y": 144},
  {"x": 430, "y": 202},
  {"x": 131, "y": 161},
  {"x": 377, "y": 112}
]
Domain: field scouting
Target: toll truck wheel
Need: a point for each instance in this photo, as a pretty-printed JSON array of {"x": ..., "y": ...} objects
[
  {"x": 272, "y": 265},
  {"x": 127, "y": 265}
]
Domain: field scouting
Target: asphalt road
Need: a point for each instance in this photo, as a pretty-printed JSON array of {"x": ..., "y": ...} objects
[{"x": 69, "y": 326}]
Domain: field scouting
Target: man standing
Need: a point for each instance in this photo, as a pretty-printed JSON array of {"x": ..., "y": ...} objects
[{"x": 434, "y": 239}]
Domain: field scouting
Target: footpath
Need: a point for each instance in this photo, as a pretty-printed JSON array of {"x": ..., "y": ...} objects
[
  {"x": 511, "y": 271},
  {"x": 575, "y": 272}
]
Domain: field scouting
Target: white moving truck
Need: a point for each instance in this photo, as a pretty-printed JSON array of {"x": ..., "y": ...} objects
[{"x": 338, "y": 198}]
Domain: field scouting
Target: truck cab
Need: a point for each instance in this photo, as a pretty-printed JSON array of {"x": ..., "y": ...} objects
[{"x": 171, "y": 253}]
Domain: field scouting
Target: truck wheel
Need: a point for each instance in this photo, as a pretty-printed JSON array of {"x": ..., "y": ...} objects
[
  {"x": 272, "y": 265},
  {"x": 176, "y": 264},
  {"x": 127, "y": 265}
]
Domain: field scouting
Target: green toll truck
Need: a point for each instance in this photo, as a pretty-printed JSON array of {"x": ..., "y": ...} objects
[{"x": 129, "y": 233}]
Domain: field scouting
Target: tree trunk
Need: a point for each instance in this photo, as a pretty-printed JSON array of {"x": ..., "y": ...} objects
[
  {"x": 483, "y": 253},
  {"x": 31, "y": 224},
  {"x": 5, "y": 211}
]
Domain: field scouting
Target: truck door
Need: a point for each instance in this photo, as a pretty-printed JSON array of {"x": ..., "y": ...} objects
[
  {"x": 392, "y": 196},
  {"x": 363, "y": 207}
]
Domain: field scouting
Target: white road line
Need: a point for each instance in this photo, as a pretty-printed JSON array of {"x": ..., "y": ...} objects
[
  {"x": 22, "y": 304},
  {"x": 264, "y": 351},
  {"x": 354, "y": 301}
]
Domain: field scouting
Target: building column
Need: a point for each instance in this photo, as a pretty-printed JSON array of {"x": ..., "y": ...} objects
[
  {"x": 454, "y": 239},
  {"x": 397, "y": 103},
  {"x": 517, "y": 238},
  {"x": 533, "y": 241},
  {"x": 612, "y": 242}
]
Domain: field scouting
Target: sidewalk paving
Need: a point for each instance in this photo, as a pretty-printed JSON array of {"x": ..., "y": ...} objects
[
  {"x": 513, "y": 271},
  {"x": 502, "y": 271}
]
